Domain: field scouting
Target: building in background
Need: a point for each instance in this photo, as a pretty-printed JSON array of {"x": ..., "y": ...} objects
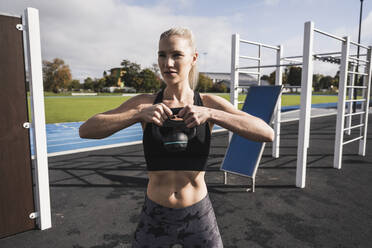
[
  {"x": 225, "y": 78},
  {"x": 117, "y": 73}
]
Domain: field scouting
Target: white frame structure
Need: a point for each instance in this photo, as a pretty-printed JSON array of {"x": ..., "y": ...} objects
[
  {"x": 305, "y": 109},
  {"x": 31, "y": 34},
  {"x": 234, "y": 86},
  {"x": 308, "y": 58},
  {"x": 306, "y": 83}
]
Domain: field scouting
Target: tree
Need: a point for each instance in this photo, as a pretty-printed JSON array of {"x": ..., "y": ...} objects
[
  {"x": 294, "y": 76},
  {"x": 316, "y": 80},
  {"x": 155, "y": 68},
  {"x": 88, "y": 84},
  {"x": 326, "y": 82},
  {"x": 98, "y": 84},
  {"x": 150, "y": 81},
  {"x": 110, "y": 80},
  {"x": 219, "y": 87},
  {"x": 205, "y": 83},
  {"x": 56, "y": 75},
  {"x": 75, "y": 85},
  {"x": 131, "y": 76},
  {"x": 265, "y": 77},
  {"x": 272, "y": 77}
]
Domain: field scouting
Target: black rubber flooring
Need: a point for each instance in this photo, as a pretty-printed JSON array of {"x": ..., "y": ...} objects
[{"x": 97, "y": 197}]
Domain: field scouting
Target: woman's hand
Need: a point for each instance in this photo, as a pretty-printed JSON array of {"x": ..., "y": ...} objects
[
  {"x": 194, "y": 115},
  {"x": 157, "y": 114}
]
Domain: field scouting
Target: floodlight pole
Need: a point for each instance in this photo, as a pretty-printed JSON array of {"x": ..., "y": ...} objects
[{"x": 358, "y": 50}]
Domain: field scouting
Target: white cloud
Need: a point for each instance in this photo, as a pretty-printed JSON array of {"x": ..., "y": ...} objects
[
  {"x": 93, "y": 36},
  {"x": 271, "y": 2}
]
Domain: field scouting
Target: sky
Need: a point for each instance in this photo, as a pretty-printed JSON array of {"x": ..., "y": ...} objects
[{"x": 92, "y": 36}]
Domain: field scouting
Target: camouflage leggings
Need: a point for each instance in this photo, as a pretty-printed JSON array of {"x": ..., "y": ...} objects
[{"x": 193, "y": 226}]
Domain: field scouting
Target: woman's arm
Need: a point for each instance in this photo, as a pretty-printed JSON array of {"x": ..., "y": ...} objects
[
  {"x": 139, "y": 108},
  {"x": 221, "y": 112},
  {"x": 104, "y": 124}
]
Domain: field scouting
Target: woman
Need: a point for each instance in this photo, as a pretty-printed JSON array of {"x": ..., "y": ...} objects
[{"x": 177, "y": 208}]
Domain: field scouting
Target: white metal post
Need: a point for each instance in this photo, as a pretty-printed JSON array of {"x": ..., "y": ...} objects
[
  {"x": 234, "y": 85},
  {"x": 259, "y": 65},
  {"x": 234, "y": 69},
  {"x": 339, "y": 136},
  {"x": 278, "y": 81},
  {"x": 306, "y": 88},
  {"x": 41, "y": 176},
  {"x": 367, "y": 82}
]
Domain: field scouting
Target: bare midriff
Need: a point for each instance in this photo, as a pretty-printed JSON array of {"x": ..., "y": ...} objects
[{"x": 176, "y": 189}]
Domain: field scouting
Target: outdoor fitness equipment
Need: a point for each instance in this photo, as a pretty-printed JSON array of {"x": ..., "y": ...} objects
[
  {"x": 344, "y": 58},
  {"x": 260, "y": 102},
  {"x": 14, "y": 55},
  {"x": 174, "y": 134}
]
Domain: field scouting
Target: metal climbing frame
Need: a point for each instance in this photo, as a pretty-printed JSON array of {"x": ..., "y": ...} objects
[
  {"x": 236, "y": 70},
  {"x": 350, "y": 68},
  {"x": 346, "y": 61},
  {"x": 234, "y": 86}
]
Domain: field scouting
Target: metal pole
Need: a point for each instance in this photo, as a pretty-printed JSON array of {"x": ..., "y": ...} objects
[
  {"x": 358, "y": 50},
  {"x": 340, "y": 124},
  {"x": 234, "y": 84},
  {"x": 43, "y": 214},
  {"x": 278, "y": 81},
  {"x": 306, "y": 86}
]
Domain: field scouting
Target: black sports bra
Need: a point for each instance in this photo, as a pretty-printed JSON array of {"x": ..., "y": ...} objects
[{"x": 193, "y": 158}]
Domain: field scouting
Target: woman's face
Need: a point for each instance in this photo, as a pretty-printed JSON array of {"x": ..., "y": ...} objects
[{"x": 175, "y": 58}]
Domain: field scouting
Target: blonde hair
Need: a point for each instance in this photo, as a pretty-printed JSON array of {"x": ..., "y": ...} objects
[{"x": 186, "y": 34}]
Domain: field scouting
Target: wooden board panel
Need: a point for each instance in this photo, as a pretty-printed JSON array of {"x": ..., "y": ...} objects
[{"x": 16, "y": 189}]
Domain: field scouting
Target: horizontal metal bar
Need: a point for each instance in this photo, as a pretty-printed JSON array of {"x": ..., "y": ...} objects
[
  {"x": 267, "y": 66},
  {"x": 240, "y": 102},
  {"x": 249, "y": 72},
  {"x": 360, "y": 55},
  {"x": 352, "y": 140},
  {"x": 358, "y": 73},
  {"x": 361, "y": 60},
  {"x": 292, "y": 57},
  {"x": 259, "y": 44},
  {"x": 243, "y": 86},
  {"x": 356, "y": 100},
  {"x": 329, "y": 35},
  {"x": 324, "y": 54},
  {"x": 356, "y": 113},
  {"x": 359, "y": 45},
  {"x": 352, "y": 127},
  {"x": 247, "y": 57},
  {"x": 358, "y": 63},
  {"x": 356, "y": 87},
  {"x": 291, "y": 60},
  {"x": 292, "y": 87}
]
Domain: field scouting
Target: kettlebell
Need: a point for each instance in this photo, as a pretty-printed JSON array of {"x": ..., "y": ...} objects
[{"x": 174, "y": 134}]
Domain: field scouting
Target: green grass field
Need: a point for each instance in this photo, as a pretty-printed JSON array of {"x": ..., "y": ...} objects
[{"x": 72, "y": 109}]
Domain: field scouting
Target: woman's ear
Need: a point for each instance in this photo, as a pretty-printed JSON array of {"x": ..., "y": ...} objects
[{"x": 195, "y": 58}]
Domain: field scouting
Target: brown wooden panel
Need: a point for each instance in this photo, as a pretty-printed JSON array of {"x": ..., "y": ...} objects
[{"x": 16, "y": 193}]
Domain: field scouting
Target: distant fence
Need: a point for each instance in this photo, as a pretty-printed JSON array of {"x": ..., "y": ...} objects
[{"x": 84, "y": 94}]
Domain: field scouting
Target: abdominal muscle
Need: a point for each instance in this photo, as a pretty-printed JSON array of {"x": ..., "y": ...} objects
[{"x": 176, "y": 189}]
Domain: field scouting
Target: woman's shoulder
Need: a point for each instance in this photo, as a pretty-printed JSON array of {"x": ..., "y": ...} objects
[
  {"x": 144, "y": 98},
  {"x": 213, "y": 101}
]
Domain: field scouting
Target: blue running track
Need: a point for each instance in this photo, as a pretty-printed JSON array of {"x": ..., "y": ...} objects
[{"x": 64, "y": 137}]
